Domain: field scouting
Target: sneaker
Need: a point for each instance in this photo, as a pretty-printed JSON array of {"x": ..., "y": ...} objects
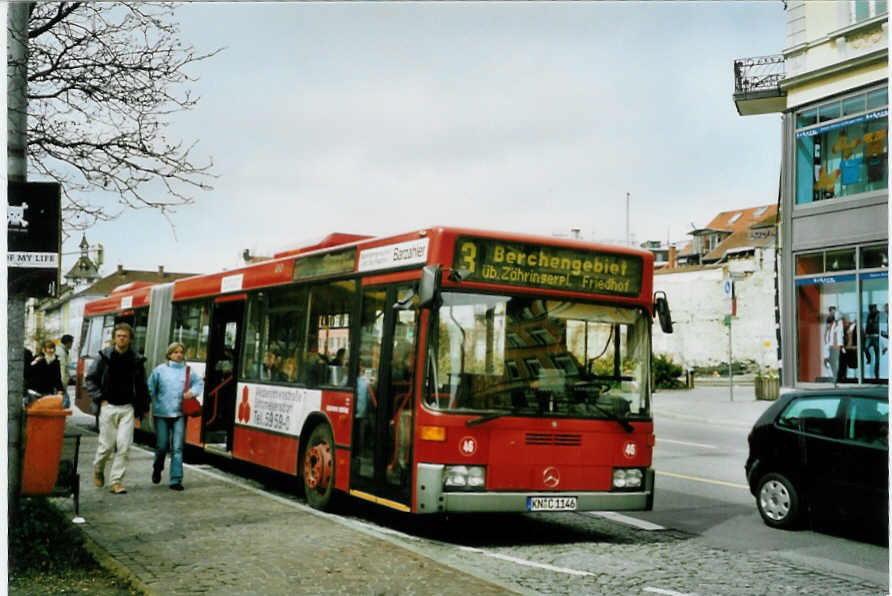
[
  {"x": 99, "y": 478},
  {"x": 177, "y": 487},
  {"x": 118, "y": 488},
  {"x": 156, "y": 476}
]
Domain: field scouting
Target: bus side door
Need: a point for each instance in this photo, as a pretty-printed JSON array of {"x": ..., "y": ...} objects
[
  {"x": 384, "y": 406},
  {"x": 224, "y": 344}
]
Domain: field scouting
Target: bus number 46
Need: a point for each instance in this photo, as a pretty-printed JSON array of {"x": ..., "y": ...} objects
[{"x": 468, "y": 446}]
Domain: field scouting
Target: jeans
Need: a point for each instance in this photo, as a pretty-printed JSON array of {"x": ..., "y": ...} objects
[{"x": 169, "y": 435}]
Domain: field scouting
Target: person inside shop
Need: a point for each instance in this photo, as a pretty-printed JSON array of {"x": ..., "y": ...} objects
[
  {"x": 835, "y": 339},
  {"x": 848, "y": 355},
  {"x": 872, "y": 339},
  {"x": 828, "y": 324}
]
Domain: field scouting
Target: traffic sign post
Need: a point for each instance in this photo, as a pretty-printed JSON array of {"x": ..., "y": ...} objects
[{"x": 728, "y": 290}]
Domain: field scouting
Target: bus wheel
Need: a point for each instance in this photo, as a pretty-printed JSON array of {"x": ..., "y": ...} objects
[{"x": 318, "y": 467}]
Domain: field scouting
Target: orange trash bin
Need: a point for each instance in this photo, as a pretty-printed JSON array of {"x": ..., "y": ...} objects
[{"x": 44, "y": 431}]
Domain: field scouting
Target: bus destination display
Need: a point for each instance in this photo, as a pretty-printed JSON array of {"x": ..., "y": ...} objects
[{"x": 551, "y": 267}]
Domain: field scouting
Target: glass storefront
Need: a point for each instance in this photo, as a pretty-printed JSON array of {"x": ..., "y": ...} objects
[
  {"x": 842, "y": 147},
  {"x": 842, "y": 298}
]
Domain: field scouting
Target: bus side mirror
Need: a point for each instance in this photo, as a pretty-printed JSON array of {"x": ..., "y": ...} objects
[
  {"x": 429, "y": 286},
  {"x": 661, "y": 306}
]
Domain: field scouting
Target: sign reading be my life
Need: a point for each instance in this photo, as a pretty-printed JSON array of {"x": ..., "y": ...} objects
[{"x": 34, "y": 237}]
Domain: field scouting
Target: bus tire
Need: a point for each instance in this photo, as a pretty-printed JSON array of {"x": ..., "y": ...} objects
[{"x": 317, "y": 467}]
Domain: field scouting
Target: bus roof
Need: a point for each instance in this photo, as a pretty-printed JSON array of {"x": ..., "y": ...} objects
[{"x": 350, "y": 253}]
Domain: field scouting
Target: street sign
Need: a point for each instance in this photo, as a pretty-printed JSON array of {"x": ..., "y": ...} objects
[
  {"x": 34, "y": 238},
  {"x": 728, "y": 288}
]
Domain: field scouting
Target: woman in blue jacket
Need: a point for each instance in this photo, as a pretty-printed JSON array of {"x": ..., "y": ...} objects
[{"x": 167, "y": 386}]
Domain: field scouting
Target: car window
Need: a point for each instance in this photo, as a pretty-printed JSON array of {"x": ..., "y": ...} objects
[
  {"x": 814, "y": 415},
  {"x": 867, "y": 421}
]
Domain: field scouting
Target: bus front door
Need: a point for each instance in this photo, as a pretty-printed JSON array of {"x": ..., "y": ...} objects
[
  {"x": 224, "y": 344},
  {"x": 383, "y": 420}
]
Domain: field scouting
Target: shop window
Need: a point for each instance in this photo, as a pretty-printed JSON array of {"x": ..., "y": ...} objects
[
  {"x": 841, "y": 260},
  {"x": 812, "y": 263},
  {"x": 878, "y": 98},
  {"x": 846, "y": 153},
  {"x": 825, "y": 307},
  {"x": 875, "y": 323},
  {"x": 807, "y": 118},
  {"x": 873, "y": 257},
  {"x": 853, "y": 105},
  {"x": 828, "y": 112},
  {"x": 842, "y": 318}
]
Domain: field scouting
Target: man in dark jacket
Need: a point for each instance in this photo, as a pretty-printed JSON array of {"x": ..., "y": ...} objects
[{"x": 117, "y": 386}]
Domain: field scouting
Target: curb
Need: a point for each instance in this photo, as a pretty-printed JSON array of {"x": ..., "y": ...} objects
[
  {"x": 114, "y": 566},
  {"x": 107, "y": 561}
]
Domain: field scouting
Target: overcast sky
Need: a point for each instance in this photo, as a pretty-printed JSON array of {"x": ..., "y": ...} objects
[{"x": 380, "y": 118}]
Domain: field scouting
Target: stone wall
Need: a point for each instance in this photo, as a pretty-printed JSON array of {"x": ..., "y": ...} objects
[{"x": 699, "y": 306}]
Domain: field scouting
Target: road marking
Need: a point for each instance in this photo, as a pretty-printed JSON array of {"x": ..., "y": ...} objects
[
  {"x": 666, "y": 592},
  {"x": 706, "y": 480},
  {"x": 625, "y": 519},
  {"x": 526, "y": 562},
  {"x": 705, "y": 446}
]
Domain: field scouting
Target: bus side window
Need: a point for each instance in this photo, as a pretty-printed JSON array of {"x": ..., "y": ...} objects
[{"x": 328, "y": 334}]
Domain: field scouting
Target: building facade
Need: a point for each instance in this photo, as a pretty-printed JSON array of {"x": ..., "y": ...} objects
[
  {"x": 830, "y": 86},
  {"x": 735, "y": 245}
]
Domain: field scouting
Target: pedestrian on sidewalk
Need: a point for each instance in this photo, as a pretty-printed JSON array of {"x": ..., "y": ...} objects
[
  {"x": 64, "y": 354},
  {"x": 45, "y": 377},
  {"x": 168, "y": 386},
  {"x": 117, "y": 385}
]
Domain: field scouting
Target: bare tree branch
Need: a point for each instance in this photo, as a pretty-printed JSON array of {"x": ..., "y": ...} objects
[{"x": 103, "y": 81}]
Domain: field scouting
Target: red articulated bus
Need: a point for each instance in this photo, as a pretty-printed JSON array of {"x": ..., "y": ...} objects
[{"x": 442, "y": 370}]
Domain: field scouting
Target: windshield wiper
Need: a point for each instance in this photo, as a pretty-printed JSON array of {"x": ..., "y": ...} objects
[
  {"x": 623, "y": 422},
  {"x": 486, "y": 418}
]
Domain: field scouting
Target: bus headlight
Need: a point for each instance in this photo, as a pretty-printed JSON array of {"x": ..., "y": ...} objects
[
  {"x": 464, "y": 478},
  {"x": 627, "y": 478}
]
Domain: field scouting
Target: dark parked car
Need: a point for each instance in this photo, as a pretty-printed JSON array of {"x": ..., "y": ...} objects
[{"x": 822, "y": 453}]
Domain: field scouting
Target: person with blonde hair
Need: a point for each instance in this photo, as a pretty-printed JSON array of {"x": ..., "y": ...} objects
[
  {"x": 45, "y": 377},
  {"x": 168, "y": 387}
]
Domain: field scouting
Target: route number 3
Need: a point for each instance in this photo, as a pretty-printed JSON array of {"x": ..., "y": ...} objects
[{"x": 469, "y": 254}]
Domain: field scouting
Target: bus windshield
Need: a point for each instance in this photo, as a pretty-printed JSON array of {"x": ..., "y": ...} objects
[{"x": 515, "y": 356}]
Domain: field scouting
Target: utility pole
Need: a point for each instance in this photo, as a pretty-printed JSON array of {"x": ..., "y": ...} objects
[
  {"x": 16, "y": 167},
  {"x": 628, "y": 240}
]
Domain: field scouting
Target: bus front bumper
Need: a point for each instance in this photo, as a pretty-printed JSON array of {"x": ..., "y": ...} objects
[{"x": 431, "y": 498}]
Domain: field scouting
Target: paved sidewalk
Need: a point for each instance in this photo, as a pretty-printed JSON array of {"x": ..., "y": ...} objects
[
  {"x": 222, "y": 537},
  {"x": 712, "y": 404}
]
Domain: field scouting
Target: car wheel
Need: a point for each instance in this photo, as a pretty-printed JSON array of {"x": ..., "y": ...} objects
[{"x": 778, "y": 501}]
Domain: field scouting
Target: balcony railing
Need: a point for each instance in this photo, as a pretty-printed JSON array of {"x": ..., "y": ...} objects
[{"x": 762, "y": 73}]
